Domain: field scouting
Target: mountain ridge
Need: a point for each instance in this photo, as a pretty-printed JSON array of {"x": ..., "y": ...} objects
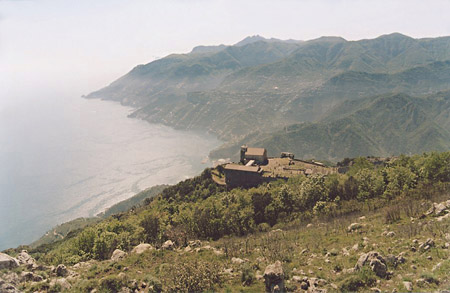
[{"x": 261, "y": 85}]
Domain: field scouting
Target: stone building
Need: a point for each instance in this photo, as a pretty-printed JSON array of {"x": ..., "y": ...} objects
[
  {"x": 242, "y": 176},
  {"x": 259, "y": 155}
]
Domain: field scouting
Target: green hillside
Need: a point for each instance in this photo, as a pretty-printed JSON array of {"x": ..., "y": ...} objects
[
  {"x": 380, "y": 126},
  {"x": 196, "y": 236},
  {"x": 250, "y": 91}
]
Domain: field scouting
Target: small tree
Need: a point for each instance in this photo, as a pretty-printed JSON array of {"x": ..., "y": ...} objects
[
  {"x": 370, "y": 183},
  {"x": 151, "y": 226}
]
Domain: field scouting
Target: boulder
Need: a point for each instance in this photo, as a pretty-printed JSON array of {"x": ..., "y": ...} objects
[
  {"x": 8, "y": 262},
  {"x": 304, "y": 285},
  {"x": 82, "y": 265},
  {"x": 30, "y": 276},
  {"x": 7, "y": 287},
  {"x": 26, "y": 260},
  {"x": 61, "y": 270},
  {"x": 118, "y": 255},
  {"x": 408, "y": 286},
  {"x": 141, "y": 248},
  {"x": 375, "y": 261},
  {"x": 274, "y": 277},
  {"x": 11, "y": 278},
  {"x": 195, "y": 243},
  {"x": 62, "y": 282},
  {"x": 168, "y": 245},
  {"x": 426, "y": 245},
  {"x": 237, "y": 260},
  {"x": 345, "y": 252},
  {"x": 297, "y": 279},
  {"x": 390, "y": 234},
  {"x": 354, "y": 226},
  {"x": 125, "y": 290},
  {"x": 441, "y": 208},
  {"x": 393, "y": 260},
  {"x": 442, "y": 218}
]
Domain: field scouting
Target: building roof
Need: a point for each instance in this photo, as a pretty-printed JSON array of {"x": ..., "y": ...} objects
[
  {"x": 236, "y": 167},
  {"x": 255, "y": 151}
]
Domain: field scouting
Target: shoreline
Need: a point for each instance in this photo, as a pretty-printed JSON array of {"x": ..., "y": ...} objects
[{"x": 107, "y": 181}]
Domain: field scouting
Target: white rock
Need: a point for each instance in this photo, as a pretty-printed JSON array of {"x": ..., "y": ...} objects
[
  {"x": 168, "y": 245},
  {"x": 353, "y": 227},
  {"x": 8, "y": 262},
  {"x": 408, "y": 286},
  {"x": 25, "y": 259},
  {"x": 237, "y": 260},
  {"x": 141, "y": 248},
  {"x": 118, "y": 255},
  {"x": 390, "y": 234},
  {"x": 65, "y": 285}
]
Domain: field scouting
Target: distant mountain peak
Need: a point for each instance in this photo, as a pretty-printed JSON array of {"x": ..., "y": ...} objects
[
  {"x": 329, "y": 39},
  {"x": 394, "y": 35},
  {"x": 249, "y": 40},
  {"x": 208, "y": 49}
]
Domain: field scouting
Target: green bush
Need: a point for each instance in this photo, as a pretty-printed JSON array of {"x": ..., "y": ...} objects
[
  {"x": 196, "y": 276},
  {"x": 247, "y": 276},
  {"x": 112, "y": 283},
  {"x": 355, "y": 282}
]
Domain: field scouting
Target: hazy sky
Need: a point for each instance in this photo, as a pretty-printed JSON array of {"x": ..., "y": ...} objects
[{"x": 81, "y": 45}]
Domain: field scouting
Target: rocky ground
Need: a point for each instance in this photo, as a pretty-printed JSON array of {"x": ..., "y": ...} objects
[{"x": 381, "y": 251}]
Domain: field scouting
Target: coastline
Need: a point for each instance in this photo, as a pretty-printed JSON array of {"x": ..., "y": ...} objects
[{"x": 150, "y": 154}]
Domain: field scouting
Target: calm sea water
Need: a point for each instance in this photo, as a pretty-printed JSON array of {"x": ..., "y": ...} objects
[{"x": 63, "y": 158}]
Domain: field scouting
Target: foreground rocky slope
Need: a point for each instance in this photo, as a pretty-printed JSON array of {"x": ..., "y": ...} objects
[
  {"x": 350, "y": 253},
  {"x": 384, "y": 224}
]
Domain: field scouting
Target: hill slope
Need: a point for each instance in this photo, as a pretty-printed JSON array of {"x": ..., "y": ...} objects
[
  {"x": 380, "y": 126},
  {"x": 318, "y": 230},
  {"x": 260, "y": 86}
]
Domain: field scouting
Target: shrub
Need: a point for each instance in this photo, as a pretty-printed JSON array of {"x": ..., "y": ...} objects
[
  {"x": 400, "y": 179},
  {"x": 354, "y": 282},
  {"x": 392, "y": 214},
  {"x": 112, "y": 284},
  {"x": 196, "y": 276},
  {"x": 247, "y": 276},
  {"x": 104, "y": 245},
  {"x": 430, "y": 278},
  {"x": 151, "y": 226},
  {"x": 153, "y": 283},
  {"x": 263, "y": 227},
  {"x": 370, "y": 183}
]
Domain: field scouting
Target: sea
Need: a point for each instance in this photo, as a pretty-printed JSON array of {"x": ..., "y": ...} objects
[{"x": 66, "y": 157}]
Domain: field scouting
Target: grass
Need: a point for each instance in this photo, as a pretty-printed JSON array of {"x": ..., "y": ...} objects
[{"x": 324, "y": 259}]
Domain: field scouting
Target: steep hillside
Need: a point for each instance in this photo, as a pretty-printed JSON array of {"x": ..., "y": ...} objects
[
  {"x": 259, "y": 86},
  {"x": 380, "y": 225},
  {"x": 380, "y": 126},
  {"x": 169, "y": 79}
]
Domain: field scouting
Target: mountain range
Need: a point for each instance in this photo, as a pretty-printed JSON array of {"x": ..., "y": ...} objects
[{"x": 327, "y": 98}]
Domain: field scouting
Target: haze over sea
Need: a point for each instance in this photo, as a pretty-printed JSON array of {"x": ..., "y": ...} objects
[{"x": 63, "y": 157}]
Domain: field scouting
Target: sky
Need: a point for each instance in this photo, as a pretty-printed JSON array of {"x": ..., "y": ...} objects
[{"x": 79, "y": 46}]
